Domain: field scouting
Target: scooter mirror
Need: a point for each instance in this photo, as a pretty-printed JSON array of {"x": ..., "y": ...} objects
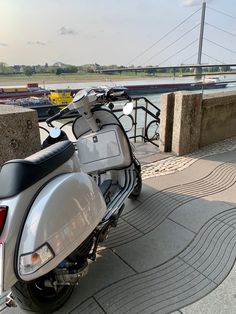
[
  {"x": 81, "y": 94},
  {"x": 55, "y": 132},
  {"x": 128, "y": 108}
]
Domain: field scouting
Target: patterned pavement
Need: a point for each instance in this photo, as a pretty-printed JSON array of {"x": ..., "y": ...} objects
[{"x": 174, "y": 246}]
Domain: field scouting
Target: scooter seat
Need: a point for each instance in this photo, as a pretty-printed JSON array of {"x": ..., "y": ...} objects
[{"x": 18, "y": 174}]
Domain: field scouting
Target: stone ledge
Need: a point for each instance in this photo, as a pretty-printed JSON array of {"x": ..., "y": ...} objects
[{"x": 19, "y": 132}]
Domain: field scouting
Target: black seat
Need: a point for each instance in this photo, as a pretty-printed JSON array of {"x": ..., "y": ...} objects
[{"x": 18, "y": 174}]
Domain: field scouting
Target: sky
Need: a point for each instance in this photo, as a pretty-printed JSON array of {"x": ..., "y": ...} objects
[{"x": 122, "y": 32}]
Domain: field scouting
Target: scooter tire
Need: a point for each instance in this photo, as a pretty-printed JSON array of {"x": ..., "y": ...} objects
[
  {"x": 30, "y": 298},
  {"x": 138, "y": 186}
]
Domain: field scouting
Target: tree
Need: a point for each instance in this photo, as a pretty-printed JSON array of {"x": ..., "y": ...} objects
[
  {"x": 71, "y": 69},
  {"x": 28, "y": 71},
  {"x": 59, "y": 71}
]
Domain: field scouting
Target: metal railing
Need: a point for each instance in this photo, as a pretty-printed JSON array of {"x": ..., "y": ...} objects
[
  {"x": 146, "y": 114},
  {"x": 151, "y": 121}
]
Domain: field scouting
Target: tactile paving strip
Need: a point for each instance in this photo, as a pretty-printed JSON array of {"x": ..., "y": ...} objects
[
  {"x": 200, "y": 268},
  {"x": 154, "y": 210}
]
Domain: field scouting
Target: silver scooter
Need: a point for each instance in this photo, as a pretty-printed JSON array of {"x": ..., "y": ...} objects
[{"x": 57, "y": 205}]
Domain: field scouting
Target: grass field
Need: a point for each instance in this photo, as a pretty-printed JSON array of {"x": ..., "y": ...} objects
[
  {"x": 21, "y": 79},
  {"x": 49, "y": 78}
]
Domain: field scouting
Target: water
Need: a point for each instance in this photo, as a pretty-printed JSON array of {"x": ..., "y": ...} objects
[{"x": 146, "y": 81}]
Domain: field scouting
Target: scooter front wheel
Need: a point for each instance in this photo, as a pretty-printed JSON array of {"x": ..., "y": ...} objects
[
  {"x": 35, "y": 297},
  {"x": 138, "y": 187}
]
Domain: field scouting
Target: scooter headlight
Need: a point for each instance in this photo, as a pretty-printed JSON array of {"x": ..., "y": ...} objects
[{"x": 31, "y": 262}]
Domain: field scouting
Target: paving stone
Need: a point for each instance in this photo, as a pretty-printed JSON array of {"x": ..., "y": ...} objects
[
  {"x": 152, "y": 212},
  {"x": 131, "y": 204},
  {"x": 107, "y": 269},
  {"x": 88, "y": 307},
  {"x": 123, "y": 233},
  {"x": 156, "y": 247},
  {"x": 147, "y": 191},
  {"x": 228, "y": 196},
  {"x": 159, "y": 290},
  {"x": 220, "y": 301},
  {"x": 196, "y": 213}
]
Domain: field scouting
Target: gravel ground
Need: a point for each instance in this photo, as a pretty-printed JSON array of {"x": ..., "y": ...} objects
[{"x": 174, "y": 163}]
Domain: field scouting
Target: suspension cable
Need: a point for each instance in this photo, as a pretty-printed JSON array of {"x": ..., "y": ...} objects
[
  {"x": 171, "y": 44},
  {"x": 178, "y": 52},
  {"x": 213, "y": 58},
  {"x": 220, "y": 45},
  {"x": 164, "y": 36},
  {"x": 192, "y": 56},
  {"x": 221, "y": 29},
  {"x": 221, "y": 12}
]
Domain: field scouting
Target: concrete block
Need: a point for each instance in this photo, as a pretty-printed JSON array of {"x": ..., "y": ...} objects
[
  {"x": 19, "y": 132},
  {"x": 187, "y": 122},
  {"x": 218, "y": 118},
  {"x": 166, "y": 121}
]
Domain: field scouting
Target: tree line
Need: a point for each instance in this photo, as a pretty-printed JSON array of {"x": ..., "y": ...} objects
[{"x": 60, "y": 68}]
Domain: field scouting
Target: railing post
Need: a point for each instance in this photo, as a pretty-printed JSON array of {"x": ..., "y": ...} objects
[
  {"x": 135, "y": 120},
  {"x": 166, "y": 121},
  {"x": 145, "y": 119}
]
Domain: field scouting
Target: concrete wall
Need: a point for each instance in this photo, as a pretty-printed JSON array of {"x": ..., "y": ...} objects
[
  {"x": 19, "y": 132},
  {"x": 167, "y": 117},
  {"x": 218, "y": 117},
  {"x": 187, "y": 122},
  {"x": 197, "y": 120}
]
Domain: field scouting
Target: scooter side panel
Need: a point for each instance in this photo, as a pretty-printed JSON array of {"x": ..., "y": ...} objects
[
  {"x": 17, "y": 208},
  {"x": 64, "y": 213}
]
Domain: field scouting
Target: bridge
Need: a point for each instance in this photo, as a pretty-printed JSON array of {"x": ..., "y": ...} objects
[
  {"x": 198, "y": 52},
  {"x": 166, "y": 68}
]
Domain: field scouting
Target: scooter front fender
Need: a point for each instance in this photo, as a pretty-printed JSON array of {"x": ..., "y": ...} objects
[{"x": 63, "y": 215}]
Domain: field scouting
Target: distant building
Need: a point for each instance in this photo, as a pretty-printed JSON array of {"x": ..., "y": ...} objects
[
  {"x": 18, "y": 68},
  {"x": 60, "y": 65}
]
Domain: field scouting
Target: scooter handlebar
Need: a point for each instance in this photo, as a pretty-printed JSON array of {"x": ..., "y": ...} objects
[
  {"x": 113, "y": 94},
  {"x": 103, "y": 95},
  {"x": 57, "y": 115}
]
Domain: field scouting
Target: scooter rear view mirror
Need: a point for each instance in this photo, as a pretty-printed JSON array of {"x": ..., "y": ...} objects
[
  {"x": 81, "y": 94},
  {"x": 55, "y": 132},
  {"x": 128, "y": 108}
]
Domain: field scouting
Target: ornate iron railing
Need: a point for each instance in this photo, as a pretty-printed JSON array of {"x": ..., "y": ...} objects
[{"x": 146, "y": 114}]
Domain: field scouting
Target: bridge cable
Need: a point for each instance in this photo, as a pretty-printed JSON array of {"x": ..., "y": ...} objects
[
  {"x": 230, "y": 50},
  {"x": 171, "y": 44},
  {"x": 221, "y": 29},
  {"x": 221, "y": 12},
  {"x": 179, "y": 51},
  {"x": 164, "y": 36},
  {"x": 213, "y": 58},
  {"x": 193, "y": 56}
]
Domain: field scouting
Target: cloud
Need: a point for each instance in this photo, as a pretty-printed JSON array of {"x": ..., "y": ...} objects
[
  {"x": 191, "y": 3},
  {"x": 67, "y": 31},
  {"x": 3, "y": 44},
  {"x": 36, "y": 43}
]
